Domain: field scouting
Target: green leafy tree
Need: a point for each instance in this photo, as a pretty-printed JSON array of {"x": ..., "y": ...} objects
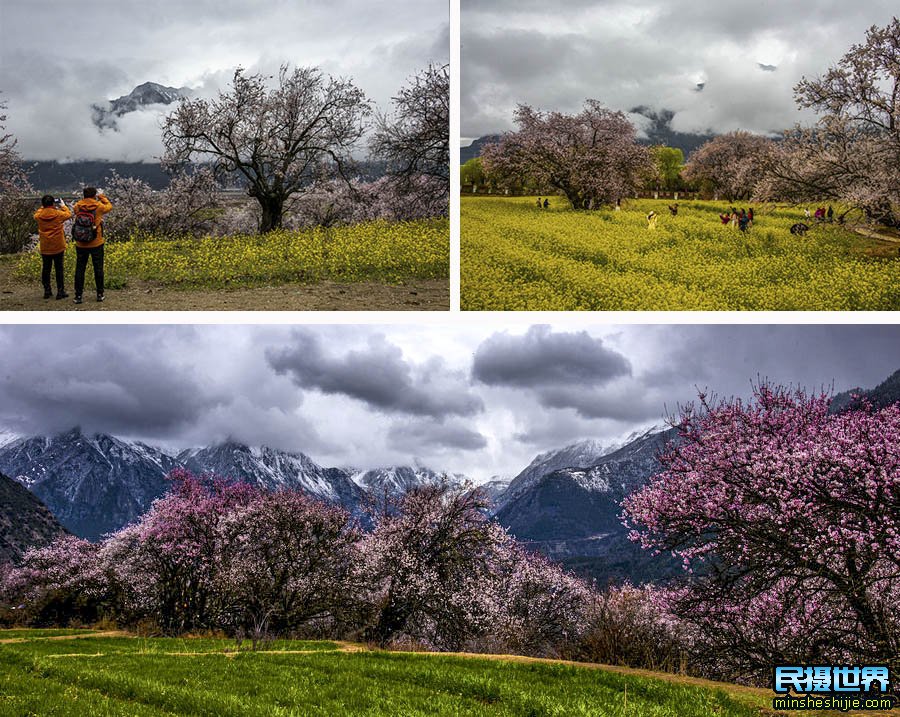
[
  {"x": 667, "y": 164},
  {"x": 472, "y": 172}
]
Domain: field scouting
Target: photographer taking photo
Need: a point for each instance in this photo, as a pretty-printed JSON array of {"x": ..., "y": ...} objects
[
  {"x": 87, "y": 232},
  {"x": 50, "y": 218}
]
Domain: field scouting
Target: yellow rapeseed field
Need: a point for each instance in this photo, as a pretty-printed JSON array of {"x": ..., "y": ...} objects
[
  {"x": 518, "y": 257},
  {"x": 376, "y": 251}
]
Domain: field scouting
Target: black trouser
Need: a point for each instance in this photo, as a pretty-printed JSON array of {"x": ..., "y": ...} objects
[
  {"x": 81, "y": 260},
  {"x": 52, "y": 261}
]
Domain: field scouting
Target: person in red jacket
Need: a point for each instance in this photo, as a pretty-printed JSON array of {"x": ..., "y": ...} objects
[
  {"x": 87, "y": 231},
  {"x": 50, "y": 218}
]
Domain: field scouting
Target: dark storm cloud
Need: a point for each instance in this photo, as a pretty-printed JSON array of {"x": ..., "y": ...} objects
[
  {"x": 671, "y": 363},
  {"x": 727, "y": 359},
  {"x": 562, "y": 370},
  {"x": 414, "y": 435},
  {"x": 55, "y": 63},
  {"x": 379, "y": 376},
  {"x": 647, "y": 52},
  {"x": 544, "y": 358},
  {"x": 99, "y": 383}
]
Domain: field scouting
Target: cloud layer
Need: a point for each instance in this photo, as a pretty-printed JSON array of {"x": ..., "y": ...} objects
[
  {"x": 50, "y": 81},
  {"x": 480, "y": 400},
  {"x": 746, "y": 56}
]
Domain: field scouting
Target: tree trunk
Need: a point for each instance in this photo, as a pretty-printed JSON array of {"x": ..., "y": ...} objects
[
  {"x": 881, "y": 213},
  {"x": 272, "y": 212}
]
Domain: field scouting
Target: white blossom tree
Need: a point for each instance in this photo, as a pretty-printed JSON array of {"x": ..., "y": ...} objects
[
  {"x": 852, "y": 154},
  {"x": 15, "y": 212},
  {"x": 281, "y": 139}
]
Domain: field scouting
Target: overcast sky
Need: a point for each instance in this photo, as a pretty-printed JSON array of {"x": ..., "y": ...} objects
[
  {"x": 480, "y": 400},
  {"x": 57, "y": 59},
  {"x": 747, "y": 55}
]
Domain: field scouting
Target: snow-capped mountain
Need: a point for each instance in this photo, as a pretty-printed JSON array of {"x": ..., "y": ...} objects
[
  {"x": 572, "y": 513},
  {"x": 145, "y": 95},
  {"x": 581, "y": 454},
  {"x": 95, "y": 484},
  {"x": 274, "y": 470},
  {"x": 495, "y": 488},
  {"x": 395, "y": 480},
  {"x": 92, "y": 484},
  {"x": 6, "y": 437}
]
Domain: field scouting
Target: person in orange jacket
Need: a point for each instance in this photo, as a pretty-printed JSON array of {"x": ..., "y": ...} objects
[
  {"x": 50, "y": 218},
  {"x": 87, "y": 231}
]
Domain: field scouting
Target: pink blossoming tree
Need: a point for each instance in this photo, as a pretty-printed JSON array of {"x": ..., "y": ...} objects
[
  {"x": 788, "y": 518},
  {"x": 592, "y": 157}
]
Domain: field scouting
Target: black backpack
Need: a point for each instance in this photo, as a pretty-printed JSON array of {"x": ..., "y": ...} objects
[{"x": 84, "y": 228}]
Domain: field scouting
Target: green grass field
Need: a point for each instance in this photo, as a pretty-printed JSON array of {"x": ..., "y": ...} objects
[
  {"x": 123, "y": 675},
  {"x": 518, "y": 257}
]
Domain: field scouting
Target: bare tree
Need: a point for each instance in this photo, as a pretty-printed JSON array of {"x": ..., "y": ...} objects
[
  {"x": 415, "y": 140},
  {"x": 280, "y": 139}
]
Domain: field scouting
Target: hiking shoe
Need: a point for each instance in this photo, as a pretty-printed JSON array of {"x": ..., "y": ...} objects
[
  {"x": 100, "y": 297},
  {"x": 61, "y": 295},
  {"x": 48, "y": 294},
  {"x": 78, "y": 300}
]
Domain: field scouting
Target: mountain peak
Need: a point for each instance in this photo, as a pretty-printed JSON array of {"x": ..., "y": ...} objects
[{"x": 147, "y": 94}]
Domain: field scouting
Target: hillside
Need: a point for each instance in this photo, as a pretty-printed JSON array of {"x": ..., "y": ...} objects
[
  {"x": 25, "y": 522},
  {"x": 884, "y": 394},
  {"x": 572, "y": 514}
]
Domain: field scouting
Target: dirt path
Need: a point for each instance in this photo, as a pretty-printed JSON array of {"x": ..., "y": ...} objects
[
  {"x": 80, "y": 636},
  {"x": 760, "y": 693},
  {"x": 418, "y": 295},
  {"x": 880, "y": 236}
]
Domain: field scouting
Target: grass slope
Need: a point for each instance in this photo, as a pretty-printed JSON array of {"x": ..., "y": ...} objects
[
  {"x": 515, "y": 256},
  {"x": 121, "y": 675}
]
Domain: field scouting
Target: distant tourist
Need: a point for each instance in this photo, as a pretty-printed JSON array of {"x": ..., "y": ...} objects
[
  {"x": 618, "y": 205},
  {"x": 87, "y": 232},
  {"x": 806, "y": 212},
  {"x": 50, "y": 218},
  {"x": 743, "y": 221},
  {"x": 725, "y": 218},
  {"x": 830, "y": 213},
  {"x": 546, "y": 203},
  {"x": 750, "y": 215},
  {"x": 673, "y": 208},
  {"x": 651, "y": 220},
  {"x": 539, "y": 204},
  {"x": 799, "y": 228},
  {"x": 820, "y": 214}
]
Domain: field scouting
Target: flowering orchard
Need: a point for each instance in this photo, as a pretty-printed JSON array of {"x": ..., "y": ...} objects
[
  {"x": 515, "y": 256},
  {"x": 377, "y": 251},
  {"x": 785, "y": 516},
  {"x": 788, "y": 518},
  {"x": 214, "y": 555}
]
